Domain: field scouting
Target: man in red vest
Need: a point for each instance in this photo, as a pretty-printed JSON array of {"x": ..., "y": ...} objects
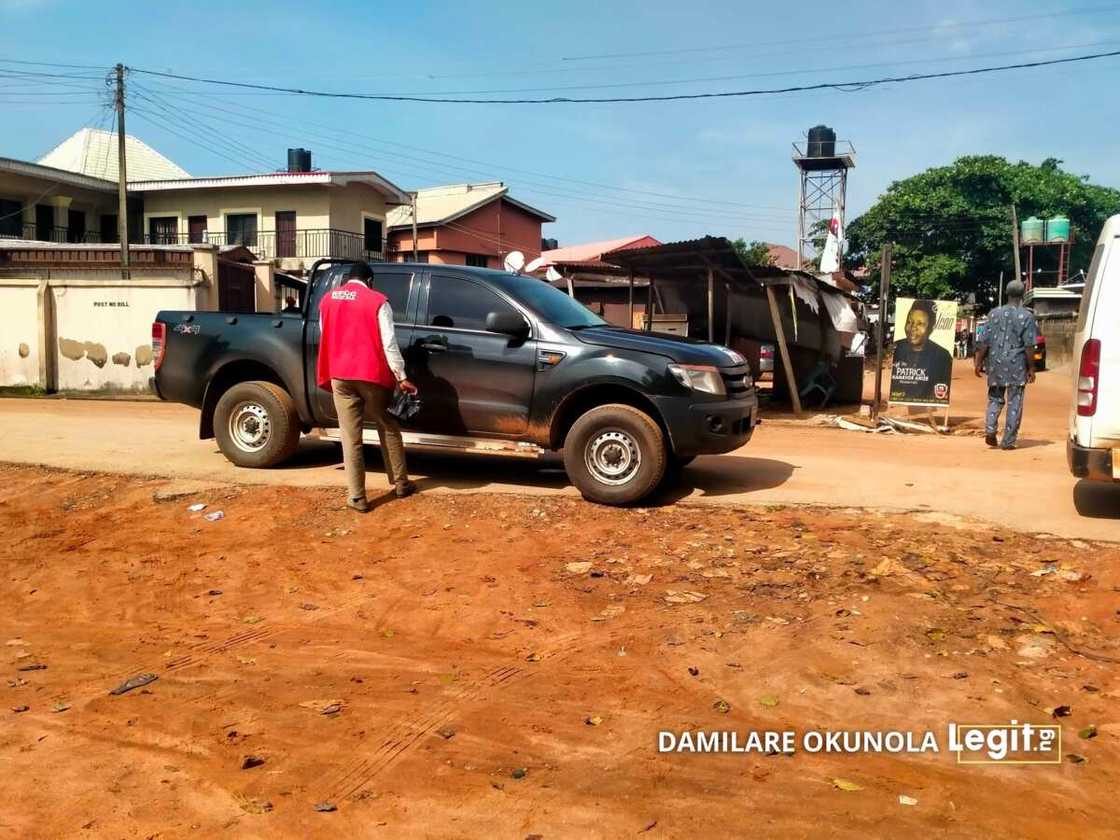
[{"x": 361, "y": 364}]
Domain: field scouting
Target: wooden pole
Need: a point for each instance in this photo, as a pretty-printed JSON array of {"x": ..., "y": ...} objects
[
  {"x": 630, "y": 323},
  {"x": 711, "y": 306},
  {"x": 415, "y": 247},
  {"x": 1015, "y": 241},
  {"x": 649, "y": 305},
  {"x": 727, "y": 317},
  {"x": 122, "y": 175},
  {"x": 780, "y": 334},
  {"x": 884, "y": 292}
]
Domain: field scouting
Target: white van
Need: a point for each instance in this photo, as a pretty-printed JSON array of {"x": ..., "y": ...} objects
[{"x": 1093, "y": 449}]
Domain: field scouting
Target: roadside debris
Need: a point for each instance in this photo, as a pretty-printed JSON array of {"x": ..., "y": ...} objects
[
  {"x": 138, "y": 681},
  {"x": 906, "y": 800},
  {"x": 251, "y": 761},
  {"x": 325, "y": 807},
  {"x": 215, "y": 516},
  {"x": 844, "y": 784},
  {"x": 196, "y": 507}
]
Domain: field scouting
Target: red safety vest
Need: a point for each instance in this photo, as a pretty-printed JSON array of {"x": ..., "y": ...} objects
[{"x": 350, "y": 346}]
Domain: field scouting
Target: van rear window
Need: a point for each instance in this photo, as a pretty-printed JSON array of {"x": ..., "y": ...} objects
[{"x": 1090, "y": 284}]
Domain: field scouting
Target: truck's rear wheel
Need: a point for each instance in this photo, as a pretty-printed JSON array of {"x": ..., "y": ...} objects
[
  {"x": 256, "y": 424},
  {"x": 615, "y": 454}
]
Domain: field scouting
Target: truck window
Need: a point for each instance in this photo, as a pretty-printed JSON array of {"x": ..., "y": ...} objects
[
  {"x": 461, "y": 304},
  {"x": 394, "y": 285}
]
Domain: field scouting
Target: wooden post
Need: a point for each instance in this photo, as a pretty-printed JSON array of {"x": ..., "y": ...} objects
[
  {"x": 122, "y": 174},
  {"x": 1015, "y": 241},
  {"x": 571, "y": 286},
  {"x": 727, "y": 318},
  {"x": 884, "y": 295},
  {"x": 649, "y": 305},
  {"x": 630, "y": 323},
  {"x": 780, "y": 334},
  {"x": 415, "y": 246},
  {"x": 711, "y": 306}
]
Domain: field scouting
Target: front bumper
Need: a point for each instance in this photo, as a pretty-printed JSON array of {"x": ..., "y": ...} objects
[
  {"x": 709, "y": 428},
  {"x": 1093, "y": 464}
]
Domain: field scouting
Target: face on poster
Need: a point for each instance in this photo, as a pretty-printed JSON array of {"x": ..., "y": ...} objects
[{"x": 922, "y": 371}]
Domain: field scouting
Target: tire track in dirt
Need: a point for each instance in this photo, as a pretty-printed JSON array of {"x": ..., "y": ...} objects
[{"x": 403, "y": 736}]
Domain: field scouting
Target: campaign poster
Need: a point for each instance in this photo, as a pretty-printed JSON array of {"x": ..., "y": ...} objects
[{"x": 922, "y": 370}]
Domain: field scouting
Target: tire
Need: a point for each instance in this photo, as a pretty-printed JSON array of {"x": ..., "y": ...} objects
[
  {"x": 256, "y": 424},
  {"x": 615, "y": 454}
]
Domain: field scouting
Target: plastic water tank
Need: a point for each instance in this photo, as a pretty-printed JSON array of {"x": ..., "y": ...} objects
[
  {"x": 822, "y": 141},
  {"x": 1031, "y": 231},
  {"x": 1057, "y": 229}
]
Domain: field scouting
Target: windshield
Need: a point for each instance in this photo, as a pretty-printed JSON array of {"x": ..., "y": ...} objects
[{"x": 551, "y": 304}]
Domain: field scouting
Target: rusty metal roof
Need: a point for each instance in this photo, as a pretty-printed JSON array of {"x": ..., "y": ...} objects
[{"x": 688, "y": 259}]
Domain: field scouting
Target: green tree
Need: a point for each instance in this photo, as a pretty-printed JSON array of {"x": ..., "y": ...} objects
[
  {"x": 951, "y": 225},
  {"x": 756, "y": 253}
]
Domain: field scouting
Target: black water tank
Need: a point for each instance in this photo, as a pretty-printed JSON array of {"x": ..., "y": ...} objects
[
  {"x": 822, "y": 141},
  {"x": 299, "y": 160}
]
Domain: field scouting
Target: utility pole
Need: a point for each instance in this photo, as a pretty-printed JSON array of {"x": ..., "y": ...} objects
[
  {"x": 884, "y": 294},
  {"x": 122, "y": 175},
  {"x": 415, "y": 248},
  {"x": 1000, "y": 298},
  {"x": 1015, "y": 243}
]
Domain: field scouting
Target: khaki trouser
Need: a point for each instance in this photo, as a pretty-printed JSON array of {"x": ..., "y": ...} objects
[{"x": 354, "y": 402}]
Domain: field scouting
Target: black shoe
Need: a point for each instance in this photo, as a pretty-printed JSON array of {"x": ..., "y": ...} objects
[
  {"x": 991, "y": 440},
  {"x": 1007, "y": 447},
  {"x": 360, "y": 505},
  {"x": 405, "y": 489}
]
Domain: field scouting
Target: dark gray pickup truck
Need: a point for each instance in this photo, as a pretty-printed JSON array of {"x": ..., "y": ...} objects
[{"x": 506, "y": 364}]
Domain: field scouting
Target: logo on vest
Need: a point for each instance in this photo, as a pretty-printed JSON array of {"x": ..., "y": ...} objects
[{"x": 342, "y": 294}]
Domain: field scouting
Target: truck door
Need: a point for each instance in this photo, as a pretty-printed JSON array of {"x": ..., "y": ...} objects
[
  {"x": 396, "y": 284},
  {"x": 471, "y": 380}
]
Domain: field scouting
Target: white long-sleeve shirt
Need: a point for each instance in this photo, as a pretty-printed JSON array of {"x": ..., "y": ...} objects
[{"x": 388, "y": 337}]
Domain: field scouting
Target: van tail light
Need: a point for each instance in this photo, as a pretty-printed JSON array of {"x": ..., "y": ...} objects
[
  {"x": 1089, "y": 378},
  {"x": 159, "y": 342}
]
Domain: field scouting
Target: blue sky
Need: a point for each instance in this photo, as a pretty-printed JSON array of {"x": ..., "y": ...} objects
[{"x": 725, "y": 163}]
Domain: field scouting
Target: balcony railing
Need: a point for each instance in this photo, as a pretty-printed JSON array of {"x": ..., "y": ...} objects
[
  {"x": 294, "y": 244},
  {"x": 265, "y": 245}
]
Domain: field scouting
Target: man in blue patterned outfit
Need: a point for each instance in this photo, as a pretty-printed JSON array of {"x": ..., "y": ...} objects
[{"x": 1005, "y": 352}]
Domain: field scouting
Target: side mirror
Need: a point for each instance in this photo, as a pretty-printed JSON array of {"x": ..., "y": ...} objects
[{"x": 507, "y": 323}]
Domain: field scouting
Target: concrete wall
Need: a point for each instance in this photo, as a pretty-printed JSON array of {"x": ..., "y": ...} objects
[
  {"x": 19, "y": 326},
  {"x": 1059, "y": 331},
  {"x": 89, "y": 329},
  {"x": 350, "y": 206},
  {"x": 103, "y": 333}
]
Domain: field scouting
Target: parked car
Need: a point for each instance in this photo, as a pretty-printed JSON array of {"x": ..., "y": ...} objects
[
  {"x": 1093, "y": 448},
  {"x": 1040, "y": 352},
  {"x": 505, "y": 364}
]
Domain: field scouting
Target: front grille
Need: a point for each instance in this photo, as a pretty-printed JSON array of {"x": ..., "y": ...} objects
[{"x": 736, "y": 380}]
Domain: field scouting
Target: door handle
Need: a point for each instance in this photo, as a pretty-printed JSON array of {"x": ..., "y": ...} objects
[{"x": 433, "y": 344}]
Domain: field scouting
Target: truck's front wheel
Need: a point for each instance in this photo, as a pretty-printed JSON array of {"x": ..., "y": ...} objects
[
  {"x": 615, "y": 454},
  {"x": 256, "y": 424}
]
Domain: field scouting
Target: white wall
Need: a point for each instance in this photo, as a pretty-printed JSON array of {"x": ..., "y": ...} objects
[
  {"x": 19, "y": 334},
  {"x": 98, "y": 333}
]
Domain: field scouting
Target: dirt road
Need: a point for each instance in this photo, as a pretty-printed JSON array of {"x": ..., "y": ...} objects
[
  {"x": 485, "y": 666},
  {"x": 1030, "y": 489}
]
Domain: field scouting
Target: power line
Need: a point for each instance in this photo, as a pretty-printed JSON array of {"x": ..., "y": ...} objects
[
  {"x": 841, "y": 86},
  {"x": 843, "y": 36}
]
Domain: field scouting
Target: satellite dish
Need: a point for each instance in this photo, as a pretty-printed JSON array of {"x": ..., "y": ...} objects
[
  {"x": 534, "y": 264},
  {"x": 515, "y": 261},
  {"x": 552, "y": 275}
]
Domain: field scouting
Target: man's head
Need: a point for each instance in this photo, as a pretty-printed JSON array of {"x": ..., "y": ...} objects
[
  {"x": 1015, "y": 291},
  {"x": 362, "y": 272},
  {"x": 920, "y": 322}
]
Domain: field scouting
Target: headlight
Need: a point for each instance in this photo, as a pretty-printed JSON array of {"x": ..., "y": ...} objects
[{"x": 703, "y": 378}]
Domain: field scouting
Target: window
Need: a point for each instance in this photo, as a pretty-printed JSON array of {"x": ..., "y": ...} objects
[
  {"x": 372, "y": 229},
  {"x": 1090, "y": 285},
  {"x": 163, "y": 230},
  {"x": 11, "y": 218},
  {"x": 549, "y": 302},
  {"x": 241, "y": 229},
  {"x": 477, "y": 260},
  {"x": 454, "y": 302},
  {"x": 394, "y": 285}
]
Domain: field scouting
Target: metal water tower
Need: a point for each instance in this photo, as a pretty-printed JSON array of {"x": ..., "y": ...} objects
[{"x": 823, "y": 163}]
